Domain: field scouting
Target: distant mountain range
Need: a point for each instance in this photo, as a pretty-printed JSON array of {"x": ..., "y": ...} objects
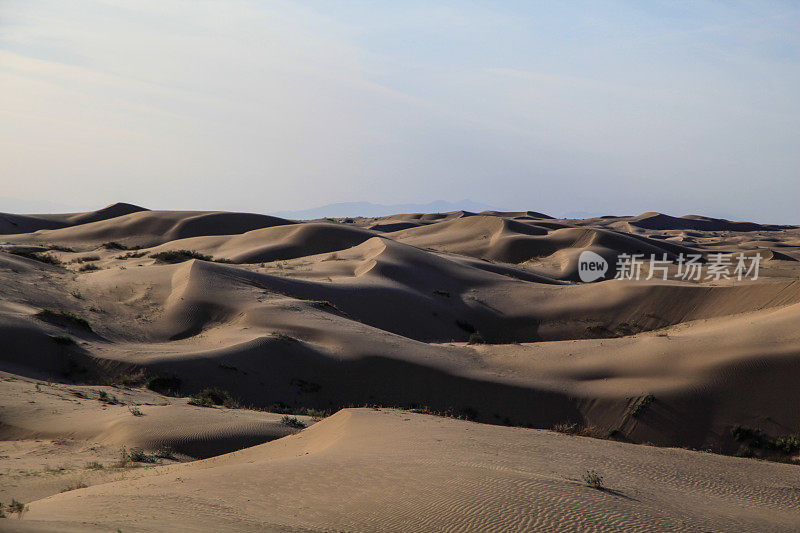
[{"x": 368, "y": 209}]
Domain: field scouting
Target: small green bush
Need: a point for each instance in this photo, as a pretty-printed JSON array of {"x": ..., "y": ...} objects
[
  {"x": 86, "y": 259},
  {"x": 137, "y": 455},
  {"x": 475, "y": 338},
  {"x": 787, "y": 444},
  {"x": 165, "y": 452},
  {"x": 210, "y": 397},
  {"x": 104, "y": 397},
  {"x": 17, "y": 508},
  {"x": 178, "y": 256},
  {"x": 641, "y": 406},
  {"x": 593, "y": 479},
  {"x": 293, "y": 422},
  {"x": 36, "y": 256},
  {"x": 112, "y": 245}
]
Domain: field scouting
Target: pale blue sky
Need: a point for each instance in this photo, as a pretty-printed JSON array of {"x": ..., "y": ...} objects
[{"x": 612, "y": 107}]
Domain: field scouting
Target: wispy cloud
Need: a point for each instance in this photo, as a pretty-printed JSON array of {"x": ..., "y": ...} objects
[{"x": 616, "y": 106}]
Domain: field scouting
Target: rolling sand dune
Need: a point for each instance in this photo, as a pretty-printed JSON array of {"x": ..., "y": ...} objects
[
  {"x": 365, "y": 470},
  {"x": 476, "y": 315}
]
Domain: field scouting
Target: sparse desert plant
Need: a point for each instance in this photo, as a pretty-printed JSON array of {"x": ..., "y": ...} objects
[
  {"x": 437, "y": 292},
  {"x": 132, "y": 255},
  {"x": 210, "y": 397},
  {"x": 293, "y": 422},
  {"x": 58, "y": 248},
  {"x": 475, "y": 338},
  {"x": 593, "y": 479},
  {"x": 50, "y": 315},
  {"x": 165, "y": 452},
  {"x": 94, "y": 465},
  {"x": 135, "y": 411},
  {"x": 178, "y": 256},
  {"x": 787, "y": 444},
  {"x": 63, "y": 339},
  {"x": 167, "y": 385},
  {"x": 642, "y": 405},
  {"x": 569, "y": 428},
  {"x": 88, "y": 267},
  {"x": 77, "y": 295},
  {"x": 112, "y": 245},
  {"x": 138, "y": 455},
  {"x": 86, "y": 259},
  {"x": 104, "y": 397},
  {"x": 75, "y": 485},
  {"x": 16, "y": 507},
  {"x": 124, "y": 459},
  {"x": 36, "y": 256}
]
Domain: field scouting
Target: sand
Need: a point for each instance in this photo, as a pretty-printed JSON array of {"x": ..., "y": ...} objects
[{"x": 289, "y": 316}]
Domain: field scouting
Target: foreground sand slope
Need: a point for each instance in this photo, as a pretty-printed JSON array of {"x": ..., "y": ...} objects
[{"x": 387, "y": 470}]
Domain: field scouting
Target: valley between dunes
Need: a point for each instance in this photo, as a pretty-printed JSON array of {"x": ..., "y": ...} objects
[{"x": 362, "y": 329}]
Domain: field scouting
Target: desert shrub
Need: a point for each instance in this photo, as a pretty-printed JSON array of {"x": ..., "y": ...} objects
[
  {"x": 787, "y": 444},
  {"x": 63, "y": 339},
  {"x": 177, "y": 256},
  {"x": 79, "y": 484},
  {"x": 166, "y": 385},
  {"x": 86, "y": 259},
  {"x": 475, "y": 338},
  {"x": 132, "y": 255},
  {"x": 292, "y": 422},
  {"x": 437, "y": 292},
  {"x": 755, "y": 437},
  {"x": 164, "y": 452},
  {"x": 222, "y": 260},
  {"x": 36, "y": 256},
  {"x": 593, "y": 479},
  {"x": 316, "y": 413},
  {"x": 104, "y": 397},
  {"x": 642, "y": 405},
  {"x": 210, "y": 397},
  {"x": 17, "y": 508},
  {"x": 135, "y": 411},
  {"x": 88, "y": 267},
  {"x": 59, "y": 248},
  {"x": 64, "y": 316},
  {"x": 569, "y": 428},
  {"x": 94, "y": 465},
  {"x": 124, "y": 459},
  {"x": 112, "y": 245},
  {"x": 137, "y": 455}
]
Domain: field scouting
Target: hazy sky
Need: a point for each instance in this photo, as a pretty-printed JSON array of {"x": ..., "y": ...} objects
[{"x": 610, "y": 107}]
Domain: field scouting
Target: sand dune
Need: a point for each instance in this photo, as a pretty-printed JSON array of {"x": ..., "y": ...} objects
[
  {"x": 365, "y": 470},
  {"x": 479, "y": 315}
]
